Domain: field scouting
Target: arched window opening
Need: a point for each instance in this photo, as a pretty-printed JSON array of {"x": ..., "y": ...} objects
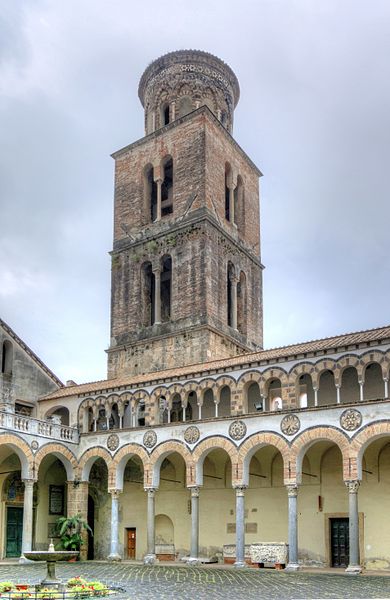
[
  {"x": 228, "y": 178},
  {"x": 305, "y": 391},
  {"x": 150, "y": 193},
  {"x": 141, "y": 413},
  {"x": 166, "y": 288},
  {"x": 275, "y": 394},
  {"x": 114, "y": 421},
  {"x": 148, "y": 294},
  {"x": 177, "y": 410},
  {"x": 350, "y": 389},
  {"x": 59, "y": 416},
  {"x": 208, "y": 408},
  {"x": 224, "y": 402},
  {"x": 165, "y": 114},
  {"x": 255, "y": 402},
  {"x": 167, "y": 189},
  {"x": 242, "y": 304},
  {"x": 373, "y": 382},
  {"x": 191, "y": 410},
  {"x": 327, "y": 389},
  {"x": 7, "y": 358}
]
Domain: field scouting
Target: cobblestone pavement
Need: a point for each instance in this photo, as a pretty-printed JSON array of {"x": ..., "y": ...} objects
[{"x": 188, "y": 583}]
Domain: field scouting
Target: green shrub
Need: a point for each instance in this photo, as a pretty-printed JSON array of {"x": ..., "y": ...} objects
[{"x": 6, "y": 586}]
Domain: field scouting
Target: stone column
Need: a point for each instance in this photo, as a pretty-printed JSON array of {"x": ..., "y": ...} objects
[
  {"x": 159, "y": 184},
  {"x": 157, "y": 296},
  {"x": 293, "y": 564},
  {"x": 361, "y": 385},
  {"x": 199, "y": 411},
  {"x": 216, "y": 407},
  {"x": 354, "y": 567},
  {"x": 338, "y": 393},
  {"x": 150, "y": 557},
  {"x": 77, "y": 504},
  {"x": 184, "y": 408},
  {"x": 386, "y": 382},
  {"x": 240, "y": 526},
  {"x": 194, "y": 551},
  {"x": 27, "y": 518},
  {"x": 231, "y": 203},
  {"x": 315, "y": 396},
  {"x": 114, "y": 547},
  {"x": 234, "y": 281}
]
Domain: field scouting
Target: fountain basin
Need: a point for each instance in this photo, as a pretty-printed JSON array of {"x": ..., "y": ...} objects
[{"x": 51, "y": 557}]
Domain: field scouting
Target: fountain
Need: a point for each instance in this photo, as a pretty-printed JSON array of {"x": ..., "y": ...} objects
[{"x": 51, "y": 556}]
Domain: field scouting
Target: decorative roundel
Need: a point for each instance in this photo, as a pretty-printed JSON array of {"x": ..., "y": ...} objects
[
  {"x": 237, "y": 430},
  {"x": 290, "y": 425},
  {"x": 351, "y": 419},
  {"x": 34, "y": 445},
  {"x": 150, "y": 439},
  {"x": 113, "y": 442},
  {"x": 191, "y": 434}
]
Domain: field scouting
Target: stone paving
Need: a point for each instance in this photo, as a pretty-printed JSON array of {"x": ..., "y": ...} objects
[{"x": 188, "y": 583}]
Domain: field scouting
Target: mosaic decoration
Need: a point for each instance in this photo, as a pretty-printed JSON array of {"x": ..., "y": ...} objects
[
  {"x": 290, "y": 425},
  {"x": 150, "y": 439},
  {"x": 191, "y": 434},
  {"x": 112, "y": 442},
  {"x": 350, "y": 419},
  {"x": 34, "y": 445},
  {"x": 237, "y": 430}
]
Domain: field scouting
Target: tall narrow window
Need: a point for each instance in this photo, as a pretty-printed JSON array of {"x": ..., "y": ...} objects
[
  {"x": 150, "y": 193},
  {"x": 7, "y": 358},
  {"x": 166, "y": 288},
  {"x": 148, "y": 293},
  {"x": 227, "y": 191},
  {"x": 239, "y": 204},
  {"x": 229, "y": 294},
  {"x": 165, "y": 114},
  {"x": 167, "y": 188},
  {"x": 241, "y": 304}
]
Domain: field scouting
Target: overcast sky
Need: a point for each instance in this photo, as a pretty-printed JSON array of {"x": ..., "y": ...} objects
[{"x": 313, "y": 115}]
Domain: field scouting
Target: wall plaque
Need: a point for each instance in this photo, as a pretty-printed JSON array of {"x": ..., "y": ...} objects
[{"x": 56, "y": 499}]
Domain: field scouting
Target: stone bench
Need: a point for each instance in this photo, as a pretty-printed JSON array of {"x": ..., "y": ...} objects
[
  {"x": 269, "y": 553},
  {"x": 165, "y": 552}
]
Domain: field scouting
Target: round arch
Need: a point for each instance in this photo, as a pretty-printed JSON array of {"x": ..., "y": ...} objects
[
  {"x": 205, "y": 447},
  {"x": 89, "y": 457},
  {"x": 67, "y": 458},
  {"x": 256, "y": 441},
  {"x": 23, "y": 452},
  {"x": 161, "y": 452},
  {"x": 118, "y": 464}
]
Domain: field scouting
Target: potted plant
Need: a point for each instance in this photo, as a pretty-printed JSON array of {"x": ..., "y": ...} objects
[{"x": 70, "y": 531}]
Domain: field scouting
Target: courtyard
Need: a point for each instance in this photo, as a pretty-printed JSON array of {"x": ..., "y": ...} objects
[{"x": 183, "y": 583}]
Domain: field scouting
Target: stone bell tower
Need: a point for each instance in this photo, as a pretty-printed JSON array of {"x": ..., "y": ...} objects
[{"x": 186, "y": 270}]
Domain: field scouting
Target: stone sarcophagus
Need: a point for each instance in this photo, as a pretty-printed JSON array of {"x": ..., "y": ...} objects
[
  {"x": 229, "y": 553},
  {"x": 275, "y": 553}
]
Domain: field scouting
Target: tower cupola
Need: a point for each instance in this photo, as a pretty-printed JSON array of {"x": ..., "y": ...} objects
[{"x": 179, "y": 82}]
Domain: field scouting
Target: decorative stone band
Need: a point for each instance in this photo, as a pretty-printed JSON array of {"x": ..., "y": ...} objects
[
  {"x": 292, "y": 490},
  {"x": 352, "y": 486}
]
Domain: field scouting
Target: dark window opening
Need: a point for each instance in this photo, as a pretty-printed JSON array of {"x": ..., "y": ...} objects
[
  {"x": 166, "y": 115},
  {"x": 150, "y": 193},
  {"x": 167, "y": 189},
  {"x": 229, "y": 298},
  {"x": 227, "y": 192},
  {"x": 166, "y": 288},
  {"x": 148, "y": 294},
  {"x": 6, "y": 358}
]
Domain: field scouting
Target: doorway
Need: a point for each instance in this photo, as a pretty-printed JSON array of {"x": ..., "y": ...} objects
[
  {"x": 339, "y": 542},
  {"x": 14, "y": 531},
  {"x": 131, "y": 540}
]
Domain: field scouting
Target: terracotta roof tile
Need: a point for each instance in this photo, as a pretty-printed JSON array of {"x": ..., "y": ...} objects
[{"x": 348, "y": 339}]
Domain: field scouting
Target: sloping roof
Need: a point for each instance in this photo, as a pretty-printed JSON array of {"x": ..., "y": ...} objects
[
  {"x": 348, "y": 339},
  {"x": 10, "y": 332}
]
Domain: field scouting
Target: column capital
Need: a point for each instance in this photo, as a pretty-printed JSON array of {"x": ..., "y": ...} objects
[
  {"x": 352, "y": 486},
  {"x": 115, "y": 493},
  {"x": 292, "y": 490},
  {"x": 158, "y": 180},
  {"x": 29, "y": 483},
  {"x": 240, "y": 489},
  {"x": 151, "y": 491},
  {"x": 194, "y": 489}
]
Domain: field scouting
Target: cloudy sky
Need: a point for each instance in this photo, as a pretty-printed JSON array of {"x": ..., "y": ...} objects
[{"x": 314, "y": 116}]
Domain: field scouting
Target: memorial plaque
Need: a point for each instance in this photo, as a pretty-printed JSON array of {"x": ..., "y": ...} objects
[{"x": 56, "y": 500}]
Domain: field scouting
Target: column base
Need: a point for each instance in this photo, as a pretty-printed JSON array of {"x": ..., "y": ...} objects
[
  {"x": 239, "y": 564},
  {"x": 114, "y": 558},
  {"x": 292, "y": 568},
  {"x": 150, "y": 559},
  {"x": 193, "y": 561},
  {"x": 353, "y": 569}
]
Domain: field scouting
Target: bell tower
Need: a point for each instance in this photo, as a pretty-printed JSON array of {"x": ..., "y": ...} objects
[{"x": 186, "y": 269}]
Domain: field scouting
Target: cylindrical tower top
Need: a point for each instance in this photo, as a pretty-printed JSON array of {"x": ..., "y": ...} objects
[{"x": 179, "y": 82}]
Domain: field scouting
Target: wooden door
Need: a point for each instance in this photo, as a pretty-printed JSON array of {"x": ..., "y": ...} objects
[
  {"x": 131, "y": 542},
  {"x": 339, "y": 540},
  {"x": 14, "y": 531}
]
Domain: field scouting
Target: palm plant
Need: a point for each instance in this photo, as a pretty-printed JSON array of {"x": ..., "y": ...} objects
[{"x": 70, "y": 531}]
